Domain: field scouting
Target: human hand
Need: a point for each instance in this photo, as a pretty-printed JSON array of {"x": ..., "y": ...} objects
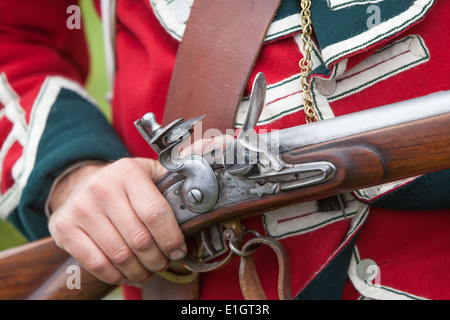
[{"x": 115, "y": 222}]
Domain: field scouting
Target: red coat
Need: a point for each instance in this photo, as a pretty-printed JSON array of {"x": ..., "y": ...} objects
[{"x": 361, "y": 61}]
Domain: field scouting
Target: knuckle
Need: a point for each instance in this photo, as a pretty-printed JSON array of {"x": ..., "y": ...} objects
[
  {"x": 127, "y": 166},
  {"x": 59, "y": 226},
  {"x": 174, "y": 242},
  {"x": 162, "y": 265},
  {"x": 101, "y": 267},
  {"x": 141, "y": 240},
  {"x": 61, "y": 230},
  {"x": 98, "y": 187},
  {"x": 59, "y": 233},
  {"x": 96, "y": 265},
  {"x": 156, "y": 213},
  {"x": 80, "y": 213},
  {"x": 78, "y": 208},
  {"x": 121, "y": 256}
]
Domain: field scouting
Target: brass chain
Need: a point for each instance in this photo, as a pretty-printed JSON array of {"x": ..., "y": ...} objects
[{"x": 306, "y": 62}]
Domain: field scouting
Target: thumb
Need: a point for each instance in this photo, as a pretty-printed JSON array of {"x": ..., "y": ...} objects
[{"x": 153, "y": 167}]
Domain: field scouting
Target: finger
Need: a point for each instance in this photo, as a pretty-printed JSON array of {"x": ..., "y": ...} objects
[
  {"x": 137, "y": 237},
  {"x": 156, "y": 214},
  {"x": 108, "y": 239},
  {"x": 80, "y": 246},
  {"x": 153, "y": 168},
  {"x": 158, "y": 217}
]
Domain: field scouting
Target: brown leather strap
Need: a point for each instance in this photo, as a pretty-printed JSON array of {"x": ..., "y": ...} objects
[
  {"x": 248, "y": 276},
  {"x": 219, "y": 48}
]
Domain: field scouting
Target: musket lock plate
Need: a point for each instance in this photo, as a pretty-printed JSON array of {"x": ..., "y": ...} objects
[{"x": 200, "y": 190}]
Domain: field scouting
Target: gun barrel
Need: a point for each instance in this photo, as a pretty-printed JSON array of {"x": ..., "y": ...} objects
[{"x": 363, "y": 121}]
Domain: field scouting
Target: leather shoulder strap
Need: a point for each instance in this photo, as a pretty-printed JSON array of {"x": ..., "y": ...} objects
[
  {"x": 219, "y": 48},
  {"x": 216, "y": 55}
]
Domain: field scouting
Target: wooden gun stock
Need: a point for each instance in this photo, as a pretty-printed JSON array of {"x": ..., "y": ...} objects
[
  {"x": 38, "y": 270},
  {"x": 361, "y": 161}
]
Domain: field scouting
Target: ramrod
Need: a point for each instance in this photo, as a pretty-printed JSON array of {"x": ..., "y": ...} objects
[{"x": 312, "y": 161}]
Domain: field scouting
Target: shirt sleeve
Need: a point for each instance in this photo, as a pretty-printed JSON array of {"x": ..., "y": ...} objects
[{"x": 48, "y": 121}]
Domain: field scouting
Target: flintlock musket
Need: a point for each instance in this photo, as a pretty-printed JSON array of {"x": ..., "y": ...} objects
[{"x": 257, "y": 173}]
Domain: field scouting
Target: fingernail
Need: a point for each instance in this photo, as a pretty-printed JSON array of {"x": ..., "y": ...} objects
[{"x": 177, "y": 255}]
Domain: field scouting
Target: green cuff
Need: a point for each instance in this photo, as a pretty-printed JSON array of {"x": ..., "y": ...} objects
[{"x": 75, "y": 131}]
